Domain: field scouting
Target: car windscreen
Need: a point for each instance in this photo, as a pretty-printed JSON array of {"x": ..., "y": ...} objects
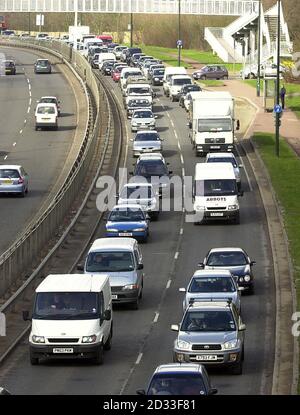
[
  {"x": 191, "y": 88},
  {"x": 48, "y": 101},
  {"x": 220, "y": 187},
  {"x": 126, "y": 215},
  {"x": 208, "y": 321},
  {"x": 67, "y": 305},
  {"x": 138, "y": 90},
  {"x": 182, "y": 81},
  {"x": 46, "y": 110},
  {"x": 158, "y": 72},
  {"x": 126, "y": 74},
  {"x": 212, "y": 285},
  {"x": 138, "y": 103},
  {"x": 136, "y": 192},
  {"x": 110, "y": 262},
  {"x": 9, "y": 64},
  {"x": 222, "y": 160},
  {"x": 43, "y": 63},
  {"x": 9, "y": 174},
  {"x": 214, "y": 125},
  {"x": 177, "y": 384},
  {"x": 227, "y": 259},
  {"x": 147, "y": 137},
  {"x": 143, "y": 114},
  {"x": 147, "y": 168}
]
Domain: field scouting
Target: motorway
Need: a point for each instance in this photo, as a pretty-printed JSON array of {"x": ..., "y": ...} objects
[
  {"x": 143, "y": 339},
  {"x": 41, "y": 153}
]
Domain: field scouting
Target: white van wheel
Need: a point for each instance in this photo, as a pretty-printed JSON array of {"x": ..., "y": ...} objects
[
  {"x": 107, "y": 345},
  {"x": 99, "y": 356}
]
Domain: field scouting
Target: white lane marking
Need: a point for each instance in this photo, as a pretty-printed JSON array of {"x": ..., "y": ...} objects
[
  {"x": 21, "y": 131},
  {"x": 168, "y": 284},
  {"x": 28, "y": 81},
  {"x": 172, "y": 123},
  {"x": 183, "y": 172},
  {"x": 5, "y": 157},
  {"x": 29, "y": 86},
  {"x": 30, "y": 102},
  {"x": 25, "y": 121},
  {"x": 175, "y": 133},
  {"x": 176, "y": 255},
  {"x": 246, "y": 173},
  {"x": 156, "y": 318},
  {"x": 181, "y": 158},
  {"x": 139, "y": 358},
  {"x": 179, "y": 146},
  {"x": 28, "y": 111},
  {"x": 14, "y": 144},
  {"x": 181, "y": 231},
  {"x": 30, "y": 93}
]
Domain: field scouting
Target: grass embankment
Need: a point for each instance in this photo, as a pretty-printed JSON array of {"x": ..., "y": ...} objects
[
  {"x": 292, "y": 102},
  {"x": 170, "y": 57},
  {"x": 210, "y": 83},
  {"x": 285, "y": 176}
]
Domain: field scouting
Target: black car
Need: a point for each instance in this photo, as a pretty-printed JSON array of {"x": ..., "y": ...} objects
[
  {"x": 236, "y": 260},
  {"x": 107, "y": 67},
  {"x": 179, "y": 379},
  {"x": 10, "y": 67},
  {"x": 130, "y": 51},
  {"x": 185, "y": 90},
  {"x": 154, "y": 169}
]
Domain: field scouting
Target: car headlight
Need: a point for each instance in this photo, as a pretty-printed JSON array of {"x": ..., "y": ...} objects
[
  {"x": 233, "y": 344},
  {"x": 130, "y": 287},
  {"x": 134, "y": 123},
  {"x": 89, "y": 339},
  {"x": 233, "y": 207},
  {"x": 156, "y": 79},
  {"x": 38, "y": 339},
  {"x": 247, "y": 278},
  {"x": 181, "y": 344},
  {"x": 241, "y": 279},
  {"x": 139, "y": 230},
  {"x": 112, "y": 230}
]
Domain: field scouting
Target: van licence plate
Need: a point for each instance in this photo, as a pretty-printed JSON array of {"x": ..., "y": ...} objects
[
  {"x": 63, "y": 350},
  {"x": 125, "y": 234},
  {"x": 206, "y": 357},
  {"x": 217, "y": 214},
  {"x": 114, "y": 297},
  {"x": 215, "y": 147}
]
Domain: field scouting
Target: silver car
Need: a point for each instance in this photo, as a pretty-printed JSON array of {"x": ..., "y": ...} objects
[
  {"x": 227, "y": 158},
  {"x": 13, "y": 179},
  {"x": 211, "y": 333},
  {"x": 212, "y": 284},
  {"x": 142, "y": 120},
  {"x": 146, "y": 142}
]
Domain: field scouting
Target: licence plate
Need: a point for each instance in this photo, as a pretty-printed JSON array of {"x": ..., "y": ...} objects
[
  {"x": 63, "y": 350},
  {"x": 114, "y": 297},
  {"x": 7, "y": 182},
  {"x": 206, "y": 357},
  {"x": 215, "y": 147},
  {"x": 219, "y": 215},
  {"x": 45, "y": 119},
  {"x": 125, "y": 234}
]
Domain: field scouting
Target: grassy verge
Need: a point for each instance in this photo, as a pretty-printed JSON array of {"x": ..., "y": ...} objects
[
  {"x": 210, "y": 82},
  {"x": 285, "y": 174}
]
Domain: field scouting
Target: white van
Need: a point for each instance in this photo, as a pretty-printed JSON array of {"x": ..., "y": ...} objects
[
  {"x": 106, "y": 57},
  {"x": 126, "y": 72},
  {"x": 46, "y": 116},
  {"x": 169, "y": 72},
  {"x": 215, "y": 193},
  {"x": 72, "y": 318},
  {"x": 177, "y": 82},
  {"x": 122, "y": 260}
]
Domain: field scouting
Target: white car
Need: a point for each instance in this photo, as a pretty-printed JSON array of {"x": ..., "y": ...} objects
[
  {"x": 142, "y": 120},
  {"x": 142, "y": 194},
  {"x": 46, "y": 116}
]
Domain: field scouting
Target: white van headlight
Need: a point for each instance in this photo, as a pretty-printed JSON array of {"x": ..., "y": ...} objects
[
  {"x": 233, "y": 207},
  {"x": 89, "y": 339},
  {"x": 38, "y": 339}
]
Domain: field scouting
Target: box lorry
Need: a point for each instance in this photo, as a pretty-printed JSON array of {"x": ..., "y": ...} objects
[
  {"x": 72, "y": 318},
  {"x": 212, "y": 122}
]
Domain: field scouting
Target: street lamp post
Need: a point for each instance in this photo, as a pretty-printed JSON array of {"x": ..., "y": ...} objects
[
  {"x": 259, "y": 49},
  {"x": 131, "y": 25},
  {"x": 278, "y": 115},
  {"x": 179, "y": 32}
]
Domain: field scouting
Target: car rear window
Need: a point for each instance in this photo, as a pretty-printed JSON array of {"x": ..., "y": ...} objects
[
  {"x": 9, "y": 174},
  {"x": 46, "y": 110}
]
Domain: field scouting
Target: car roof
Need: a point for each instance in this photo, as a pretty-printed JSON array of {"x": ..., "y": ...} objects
[
  {"x": 227, "y": 250},
  {"x": 44, "y": 104},
  {"x": 42, "y": 59},
  {"x": 178, "y": 76},
  {"x": 216, "y": 155},
  {"x": 138, "y": 184},
  {"x": 72, "y": 283},
  {"x": 48, "y": 98},
  {"x": 128, "y": 206},
  {"x": 179, "y": 367},
  {"x": 209, "y": 304},
  {"x": 209, "y": 171},
  {"x": 212, "y": 273},
  {"x": 146, "y": 132},
  {"x": 107, "y": 244},
  {"x": 9, "y": 166}
]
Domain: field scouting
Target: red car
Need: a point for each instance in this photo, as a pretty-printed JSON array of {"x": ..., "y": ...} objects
[{"x": 116, "y": 73}]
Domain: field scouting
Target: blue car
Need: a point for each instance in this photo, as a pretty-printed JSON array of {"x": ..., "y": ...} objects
[{"x": 128, "y": 221}]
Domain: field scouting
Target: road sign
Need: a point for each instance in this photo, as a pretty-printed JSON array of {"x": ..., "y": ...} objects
[
  {"x": 278, "y": 109},
  {"x": 40, "y": 20},
  {"x": 179, "y": 43}
]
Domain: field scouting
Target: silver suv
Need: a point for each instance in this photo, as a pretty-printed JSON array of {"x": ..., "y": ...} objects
[{"x": 212, "y": 333}]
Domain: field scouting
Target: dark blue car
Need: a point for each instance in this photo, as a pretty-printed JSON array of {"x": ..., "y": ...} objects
[{"x": 128, "y": 221}]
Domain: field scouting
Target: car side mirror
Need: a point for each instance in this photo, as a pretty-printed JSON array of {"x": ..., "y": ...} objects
[
  {"x": 131, "y": 139},
  {"x": 242, "y": 327},
  {"x": 252, "y": 263},
  {"x": 25, "y": 315},
  {"x": 182, "y": 290},
  {"x": 241, "y": 166},
  {"x": 107, "y": 315},
  {"x": 175, "y": 327},
  {"x": 241, "y": 289},
  {"x": 213, "y": 391},
  {"x": 129, "y": 117},
  {"x": 140, "y": 266},
  {"x": 241, "y": 193},
  {"x": 162, "y": 139},
  {"x": 147, "y": 216},
  {"x": 131, "y": 173},
  {"x": 201, "y": 265},
  {"x": 80, "y": 267},
  {"x": 141, "y": 392},
  {"x": 170, "y": 171},
  {"x": 155, "y": 116}
]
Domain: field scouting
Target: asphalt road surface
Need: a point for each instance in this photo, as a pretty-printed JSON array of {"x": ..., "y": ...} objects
[
  {"x": 143, "y": 339},
  {"x": 41, "y": 153}
]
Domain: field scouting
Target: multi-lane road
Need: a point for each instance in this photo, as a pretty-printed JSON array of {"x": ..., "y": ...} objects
[
  {"x": 143, "y": 339},
  {"x": 41, "y": 153}
]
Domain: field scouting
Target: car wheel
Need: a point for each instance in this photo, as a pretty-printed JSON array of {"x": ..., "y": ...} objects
[
  {"x": 203, "y": 77},
  {"x": 237, "y": 220},
  {"x": 22, "y": 194},
  {"x": 135, "y": 304},
  {"x": 251, "y": 290},
  {"x": 98, "y": 359},
  {"x": 237, "y": 369},
  {"x": 107, "y": 345}
]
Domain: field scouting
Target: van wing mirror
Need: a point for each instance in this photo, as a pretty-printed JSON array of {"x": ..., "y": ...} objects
[
  {"x": 80, "y": 267},
  {"x": 140, "y": 266},
  {"x": 141, "y": 392},
  {"x": 241, "y": 193},
  {"x": 201, "y": 265},
  {"x": 107, "y": 315},
  {"x": 25, "y": 315}
]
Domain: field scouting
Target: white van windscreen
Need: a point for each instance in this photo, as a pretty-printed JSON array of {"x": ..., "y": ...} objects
[
  {"x": 220, "y": 187},
  {"x": 66, "y": 305},
  {"x": 214, "y": 125},
  {"x": 110, "y": 262}
]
